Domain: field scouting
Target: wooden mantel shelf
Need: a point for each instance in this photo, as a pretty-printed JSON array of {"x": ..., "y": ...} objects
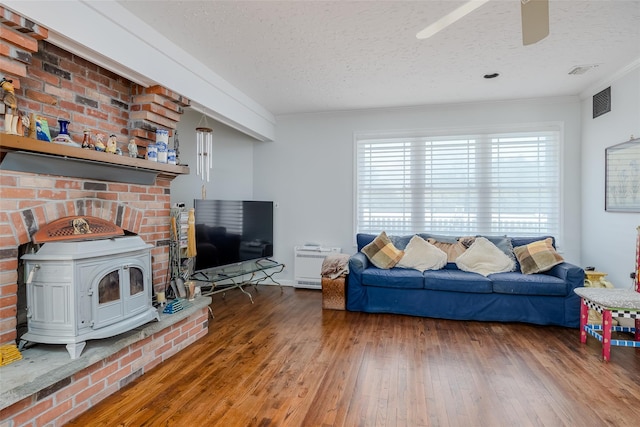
[{"x": 24, "y": 154}]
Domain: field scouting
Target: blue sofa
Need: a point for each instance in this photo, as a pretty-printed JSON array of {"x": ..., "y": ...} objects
[{"x": 544, "y": 298}]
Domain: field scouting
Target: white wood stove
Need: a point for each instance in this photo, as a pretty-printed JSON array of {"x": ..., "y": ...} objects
[{"x": 87, "y": 289}]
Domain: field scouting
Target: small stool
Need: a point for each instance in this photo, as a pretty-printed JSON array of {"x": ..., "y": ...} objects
[
  {"x": 610, "y": 303},
  {"x": 333, "y": 293}
]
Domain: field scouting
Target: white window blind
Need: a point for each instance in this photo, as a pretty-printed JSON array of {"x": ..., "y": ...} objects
[{"x": 493, "y": 184}]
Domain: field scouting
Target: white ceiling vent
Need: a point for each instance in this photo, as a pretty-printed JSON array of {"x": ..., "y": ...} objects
[
  {"x": 581, "y": 69},
  {"x": 602, "y": 102}
]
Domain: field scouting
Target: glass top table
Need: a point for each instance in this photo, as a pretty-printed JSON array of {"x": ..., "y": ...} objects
[{"x": 221, "y": 279}]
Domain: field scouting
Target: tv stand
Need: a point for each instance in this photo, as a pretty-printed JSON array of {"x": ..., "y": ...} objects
[{"x": 222, "y": 279}]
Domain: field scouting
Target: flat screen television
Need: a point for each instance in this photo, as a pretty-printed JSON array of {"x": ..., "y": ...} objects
[{"x": 232, "y": 231}]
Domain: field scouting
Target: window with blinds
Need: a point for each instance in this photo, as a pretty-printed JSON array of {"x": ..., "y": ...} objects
[{"x": 495, "y": 184}]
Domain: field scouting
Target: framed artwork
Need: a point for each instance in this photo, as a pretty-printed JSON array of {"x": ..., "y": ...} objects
[{"x": 622, "y": 177}]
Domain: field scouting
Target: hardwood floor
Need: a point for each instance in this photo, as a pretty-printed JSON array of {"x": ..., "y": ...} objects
[{"x": 284, "y": 361}]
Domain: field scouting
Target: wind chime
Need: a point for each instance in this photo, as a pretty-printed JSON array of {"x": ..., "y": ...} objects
[{"x": 204, "y": 145}]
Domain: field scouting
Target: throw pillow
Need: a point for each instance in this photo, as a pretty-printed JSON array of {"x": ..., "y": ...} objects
[
  {"x": 483, "y": 257},
  {"x": 453, "y": 250},
  {"x": 382, "y": 253},
  {"x": 537, "y": 257},
  {"x": 422, "y": 255}
]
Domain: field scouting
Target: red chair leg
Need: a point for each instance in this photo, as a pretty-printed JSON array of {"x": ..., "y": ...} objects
[
  {"x": 584, "y": 317},
  {"x": 606, "y": 334}
]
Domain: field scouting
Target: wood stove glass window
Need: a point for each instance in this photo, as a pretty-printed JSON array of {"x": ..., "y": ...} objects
[
  {"x": 109, "y": 288},
  {"x": 136, "y": 281}
]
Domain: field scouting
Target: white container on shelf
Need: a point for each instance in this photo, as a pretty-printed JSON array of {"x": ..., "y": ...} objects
[
  {"x": 171, "y": 156},
  {"x": 162, "y": 136},
  {"x": 162, "y": 141},
  {"x": 152, "y": 152}
]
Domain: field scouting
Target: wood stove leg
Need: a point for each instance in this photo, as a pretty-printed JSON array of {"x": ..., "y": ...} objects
[{"x": 75, "y": 349}]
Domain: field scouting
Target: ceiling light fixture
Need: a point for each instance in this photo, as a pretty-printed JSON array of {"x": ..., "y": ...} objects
[{"x": 450, "y": 18}]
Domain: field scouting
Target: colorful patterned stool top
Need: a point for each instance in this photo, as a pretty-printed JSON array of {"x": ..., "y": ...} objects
[{"x": 622, "y": 299}]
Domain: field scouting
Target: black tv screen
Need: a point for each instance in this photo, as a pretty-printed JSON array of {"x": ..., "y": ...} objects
[{"x": 232, "y": 231}]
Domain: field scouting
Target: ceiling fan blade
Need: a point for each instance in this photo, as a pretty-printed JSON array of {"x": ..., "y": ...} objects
[
  {"x": 450, "y": 18},
  {"x": 535, "y": 20}
]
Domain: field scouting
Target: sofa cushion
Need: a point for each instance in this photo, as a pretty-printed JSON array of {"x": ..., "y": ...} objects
[
  {"x": 453, "y": 249},
  {"x": 363, "y": 239},
  {"x": 521, "y": 241},
  {"x": 528, "y": 284},
  {"x": 382, "y": 253},
  {"x": 537, "y": 257},
  {"x": 422, "y": 255},
  {"x": 483, "y": 257},
  {"x": 400, "y": 242},
  {"x": 394, "y": 278},
  {"x": 456, "y": 281},
  {"x": 503, "y": 243}
]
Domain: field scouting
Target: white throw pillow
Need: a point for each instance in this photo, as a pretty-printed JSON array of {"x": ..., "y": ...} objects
[
  {"x": 422, "y": 255},
  {"x": 483, "y": 257}
]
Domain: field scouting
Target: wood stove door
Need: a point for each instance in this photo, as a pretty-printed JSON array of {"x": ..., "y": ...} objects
[{"x": 119, "y": 292}]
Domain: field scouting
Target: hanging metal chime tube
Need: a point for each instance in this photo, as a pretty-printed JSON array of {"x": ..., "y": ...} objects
[{"x": 204, "y": 146}]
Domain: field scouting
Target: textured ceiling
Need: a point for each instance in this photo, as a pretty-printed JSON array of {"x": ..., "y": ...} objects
[{"x": 309, "y": 56}]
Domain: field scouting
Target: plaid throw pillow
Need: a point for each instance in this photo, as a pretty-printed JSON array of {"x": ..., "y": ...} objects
[
  {"x": 382, "y": 253},
  {"x": 537, "y": 257}
]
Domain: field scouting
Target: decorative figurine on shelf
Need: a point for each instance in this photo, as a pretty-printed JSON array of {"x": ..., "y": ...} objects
[
  {"x": 31, "y": 127},
  {"x": 100, "y": 142},
  {"x": 23, "y": 123},
  {"x": 11, "y": 115},
  {"x": 86, "y": 141},
  {"x": 133, "y": 148},
  {"x": 112, "y": 144},
  {"x": 63, "y": 135}
]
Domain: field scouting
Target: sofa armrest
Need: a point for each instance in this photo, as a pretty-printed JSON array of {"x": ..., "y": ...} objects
[
  {"x": 571, "y": 274},
  {"x": 356, "y": 293},
  {"x": 358, "y": 262}
]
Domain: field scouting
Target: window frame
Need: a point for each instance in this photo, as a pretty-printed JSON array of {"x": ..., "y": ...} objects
[{"x": 462, "y": 131}]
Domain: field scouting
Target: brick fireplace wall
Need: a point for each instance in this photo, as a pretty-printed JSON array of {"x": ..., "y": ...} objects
[{"x": 55, "y": 84}]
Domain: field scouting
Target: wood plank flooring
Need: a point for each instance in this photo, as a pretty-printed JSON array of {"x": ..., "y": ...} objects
[{"x": 284, "y": 361}]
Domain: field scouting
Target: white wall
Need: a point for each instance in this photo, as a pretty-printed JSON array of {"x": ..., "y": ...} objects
[
  {"x": 232, "y": 174},
  {"x": 308, "y": 169},
  {"x": 608, "y": 241}
]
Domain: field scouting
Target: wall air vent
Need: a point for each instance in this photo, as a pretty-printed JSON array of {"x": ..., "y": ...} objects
[{"x": 602, "y": 102}]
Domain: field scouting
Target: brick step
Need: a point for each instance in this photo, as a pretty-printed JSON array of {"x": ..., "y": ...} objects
[
  {"x": 166, "y": 93},
  {"x": 152, "y": 98},
  {"x": 23, "y": 25},
  {"x": 157, "y": 109}
]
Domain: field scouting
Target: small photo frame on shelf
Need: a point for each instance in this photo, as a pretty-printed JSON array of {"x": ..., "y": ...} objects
[{"x": 622, "y": 177}]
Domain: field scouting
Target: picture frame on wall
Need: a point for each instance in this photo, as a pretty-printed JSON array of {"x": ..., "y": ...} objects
[{"x": 622, "y": 177}]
